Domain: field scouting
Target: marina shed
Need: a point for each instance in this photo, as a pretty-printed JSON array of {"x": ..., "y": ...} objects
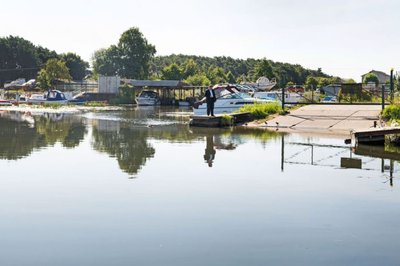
[{"x": 170, "y": 91}]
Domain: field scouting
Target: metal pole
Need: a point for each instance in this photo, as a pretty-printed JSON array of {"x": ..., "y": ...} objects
[
  {"x": 383, "y": 97},
  {"x": 283, "y": 99},
  {"x": 391, "y": 87}
]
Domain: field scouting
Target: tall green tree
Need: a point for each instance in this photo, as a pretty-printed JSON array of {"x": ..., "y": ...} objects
[
  {"x": 135, "y": 53},
  {"x": 77, "y": 67},
  {"x": 18, "y": 59},
  {"x": 53, "y": 70},
  {"x": 172, "y": 72},
  {"x": 106, "y": 61}
]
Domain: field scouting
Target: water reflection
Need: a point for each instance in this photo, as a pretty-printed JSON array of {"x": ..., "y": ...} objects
[
  {"x": 314, "y": 152},
  {"x": 21, "y": 133},
  {"x": 128, "y": 145},
  {"x": 128, "y": 137},
  {"x": 209, "y": 154}
]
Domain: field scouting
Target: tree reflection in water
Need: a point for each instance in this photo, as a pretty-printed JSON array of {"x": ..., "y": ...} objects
[
  {"x": 128, "y": 145},
  {"x": 21, "y": 133}
]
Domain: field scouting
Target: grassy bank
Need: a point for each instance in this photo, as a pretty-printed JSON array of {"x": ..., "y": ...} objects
[
  {"x": 262, "y": 110},
  {"x": 391, "y": 113}
]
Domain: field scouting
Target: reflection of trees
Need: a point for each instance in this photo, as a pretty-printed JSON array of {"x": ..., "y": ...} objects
[
  {"x": 68, "y": 130},
  {"x": 18, "y": 138},
  {"x": 129, "y": 146}
]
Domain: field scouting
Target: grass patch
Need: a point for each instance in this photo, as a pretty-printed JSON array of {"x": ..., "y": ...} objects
[
  {"x": 226, "y": 120},
  {"x": 95, "y": 104},
  {"x": 391, "y": 112},
  {"x": 262, "y": 110}
]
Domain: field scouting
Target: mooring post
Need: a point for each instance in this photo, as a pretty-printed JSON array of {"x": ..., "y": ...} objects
[{"x": 391, "y": 87}]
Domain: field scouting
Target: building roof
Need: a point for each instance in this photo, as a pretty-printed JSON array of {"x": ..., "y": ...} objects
[
  {"x": 158, "y": 83},
  {"x": 377, "y": 72}
]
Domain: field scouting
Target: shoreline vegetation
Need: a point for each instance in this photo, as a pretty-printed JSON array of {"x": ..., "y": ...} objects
[{"x": 133, "y": 57}]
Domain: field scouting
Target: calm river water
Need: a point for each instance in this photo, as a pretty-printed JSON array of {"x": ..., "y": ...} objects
[{"x": 141, "y": 187}]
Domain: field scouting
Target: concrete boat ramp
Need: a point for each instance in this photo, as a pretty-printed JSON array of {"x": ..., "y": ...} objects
[{"x": 328, "y": 118}]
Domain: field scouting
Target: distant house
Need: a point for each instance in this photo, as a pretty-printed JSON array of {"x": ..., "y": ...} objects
[{"x": 382, "y": 76}]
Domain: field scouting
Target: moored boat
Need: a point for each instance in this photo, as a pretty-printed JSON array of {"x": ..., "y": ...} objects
[
  {"x": 229, "y": 99},
  {"x": 148, "y": 98},
  {"x": 50, "y": 97}
]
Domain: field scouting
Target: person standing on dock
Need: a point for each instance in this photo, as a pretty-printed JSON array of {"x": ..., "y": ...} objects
[{"x": 210, "y": 99}]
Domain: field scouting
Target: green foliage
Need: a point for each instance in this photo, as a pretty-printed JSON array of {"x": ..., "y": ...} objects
[
  {"x": 242, "y": 70},
  {"x": 216, "y": 75},
  {"x": 126, "y": 96},
  {"x": 230, "y": 78},
  {"x": 106, "y": 61},
  {"x": 391, "y": 112},
  {"x": 17, "y": 54},
  {"x": 190, "y": 68},
  {"x": 53, "y": 70},
  {"x": 311, "y": 82},
  {"x": 135, "y": 54},
  {"x": 172, "y": 72},
  {"x": 263, "y": 69},
  {"x": 198, "y": 80},
  {"x": 226, "y": 120},
  {"x": 129, "y": 59},
  {"x": 95, "y": 104},
  {"x": 262, "y": 110},
  {"x": 290, "y": 83},
  {"x": 77, "y": 67},
  {"x": 371, "y": 77}
]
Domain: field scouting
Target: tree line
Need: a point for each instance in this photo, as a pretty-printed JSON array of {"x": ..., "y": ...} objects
[
  {"x": 19, "y": 58},
  {"x": 134, "y": 57}
]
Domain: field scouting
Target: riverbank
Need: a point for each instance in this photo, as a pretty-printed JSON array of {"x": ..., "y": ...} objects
[{"x": 326, "y": 120}]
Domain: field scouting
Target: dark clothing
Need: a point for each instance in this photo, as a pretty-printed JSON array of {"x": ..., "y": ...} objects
[
  {"x": 210, "y": 152},
  {"x": 210, "y": 99}
]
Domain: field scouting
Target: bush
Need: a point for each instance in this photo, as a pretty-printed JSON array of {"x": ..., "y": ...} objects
[
  {"x": 262, "y": 110},
  {"x": 392, "y": 112}
]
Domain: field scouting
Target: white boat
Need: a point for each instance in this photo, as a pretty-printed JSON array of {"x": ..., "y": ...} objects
[
  {"x": 50, "y": 97},
  {"x": 262, "y": 84},
  {"x": 229, "y": 99},
  {"x": 148, "y": 98}
]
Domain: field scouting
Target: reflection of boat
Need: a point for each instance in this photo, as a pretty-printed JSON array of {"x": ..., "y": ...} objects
[
  {"x": 5, "y": 103},
  {"x": 148, "y": 98},
  {"x": 228, "y": 100},
  {"x": 51, "y": 97}
]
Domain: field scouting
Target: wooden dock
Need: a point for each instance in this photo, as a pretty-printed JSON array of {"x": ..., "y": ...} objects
[
  {"x": 220, "y": 120},
  {"x": 373, "y": 135}
]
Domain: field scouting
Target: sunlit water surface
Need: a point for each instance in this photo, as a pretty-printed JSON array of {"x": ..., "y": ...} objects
[{"x": 141, "y": 187}]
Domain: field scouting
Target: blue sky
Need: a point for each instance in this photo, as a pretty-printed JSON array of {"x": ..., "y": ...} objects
[{"x": 344, "y": 38}]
